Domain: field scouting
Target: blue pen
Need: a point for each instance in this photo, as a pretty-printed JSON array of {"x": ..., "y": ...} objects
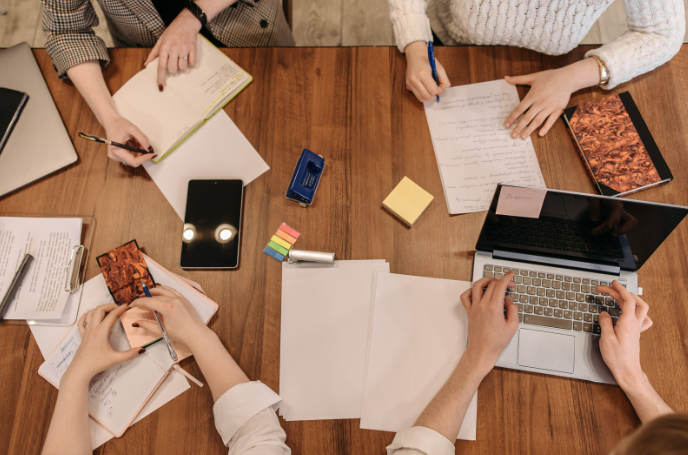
[
  {"x": 431, "y": 57},
  {"x": 164, "y": 333}
]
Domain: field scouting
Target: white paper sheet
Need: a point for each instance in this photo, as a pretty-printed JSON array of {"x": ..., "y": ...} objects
[
  {"x": 217, "y": 150},
  {"x": 418, "y": 335},
  {"x": 95, "y": 293},
  {"x": 324, "y": 337},
  {"x": 473, "y": 149},
  {"x": 50, "y": 241}
]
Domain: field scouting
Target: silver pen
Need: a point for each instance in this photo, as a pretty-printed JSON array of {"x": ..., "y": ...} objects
[
  {"x": 164, "y": 333},
  {"x": 15, "y": 284}
]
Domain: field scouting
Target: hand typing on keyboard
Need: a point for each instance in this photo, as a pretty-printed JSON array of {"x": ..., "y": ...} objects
[
  {"x": 492, "y": 319},
  {"x": 620, "y": 343}
]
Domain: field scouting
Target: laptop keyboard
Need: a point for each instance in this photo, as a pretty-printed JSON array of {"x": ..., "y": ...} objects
[{"x": 559, "y": 301}]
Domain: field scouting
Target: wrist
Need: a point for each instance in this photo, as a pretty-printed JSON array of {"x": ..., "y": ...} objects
[
  {"x": 478, "y": 363},
  {"x": 584, "y": 73},
  {"x": 192, "y": 20},
  {"x": 632, "y": 381},
  {"x": 107, "y": 117},
  {"x": 200, "y": 338},
  {"x": 75, "y": 379},
  {"x": 415, "y": 49}
]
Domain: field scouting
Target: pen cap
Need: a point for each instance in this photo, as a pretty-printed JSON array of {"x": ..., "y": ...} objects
[{"x": 310, "y": 256}]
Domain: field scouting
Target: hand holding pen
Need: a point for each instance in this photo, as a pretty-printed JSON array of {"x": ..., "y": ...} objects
[
  {"x": 182, "y": 321},
  {"x": 419, "y": 75},
  {"x": 125, "y": 142},
  {"x": 162, "y": 328}
]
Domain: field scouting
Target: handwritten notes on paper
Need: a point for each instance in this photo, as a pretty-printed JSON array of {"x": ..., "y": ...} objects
[
  {"x": 115, "y": 395},
  {"x": 523, "y": 202},
  {"x": 474, "y": 151}
]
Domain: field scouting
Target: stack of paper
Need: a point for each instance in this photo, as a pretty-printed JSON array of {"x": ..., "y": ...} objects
[
  {"x": 417, "y": 337},
  {"x": 326, "y": 311}
]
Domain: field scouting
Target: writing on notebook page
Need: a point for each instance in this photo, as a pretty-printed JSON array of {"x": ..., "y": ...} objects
[{"x": 473, "y": 149}]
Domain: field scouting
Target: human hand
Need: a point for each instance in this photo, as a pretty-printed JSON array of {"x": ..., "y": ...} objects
[
  {"x": 419, "y": 78},
  {"x": 618, "y": 219},
  {"x": 121, "y": 130},
  {"x": 550, "y": 92},
  {"x": 95, "y": 354},
  {"x": 176, "y": 47},
  {"x": 180, "y": 318},
  {"x": 489, "y": 332},
  {"x": 620, "y": 344}
]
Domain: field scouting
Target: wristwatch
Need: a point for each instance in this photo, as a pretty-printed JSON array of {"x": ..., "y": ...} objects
[
  {"x": 604, "y": 72},
  {"x": 197, "y": 11}
]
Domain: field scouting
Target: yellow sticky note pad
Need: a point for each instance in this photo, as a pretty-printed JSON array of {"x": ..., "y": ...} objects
[
  {"x": 283, "y": 243},
  {"x": 408, "y": 201}
]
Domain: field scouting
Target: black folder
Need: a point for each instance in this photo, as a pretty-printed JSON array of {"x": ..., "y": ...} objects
[{"x": 12, "y": 103}]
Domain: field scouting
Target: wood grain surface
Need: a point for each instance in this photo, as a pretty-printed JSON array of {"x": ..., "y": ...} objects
[{"x": 351, "y": 106}]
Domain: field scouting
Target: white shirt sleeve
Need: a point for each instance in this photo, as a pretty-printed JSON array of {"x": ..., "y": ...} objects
[
  {"x": 409, "y": 21},
  {"x": 420, "y": 441},
  {"x": 245, "y": 418},
  {"x": 656, "y": 31}
]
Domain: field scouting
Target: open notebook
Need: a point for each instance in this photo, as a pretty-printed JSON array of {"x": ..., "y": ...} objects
[
  {"x": 189, "y": 99},
  {"x": 117, "y": 395}
]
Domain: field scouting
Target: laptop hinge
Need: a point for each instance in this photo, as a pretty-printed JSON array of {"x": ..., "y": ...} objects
[{"x": 557, "y": 262}]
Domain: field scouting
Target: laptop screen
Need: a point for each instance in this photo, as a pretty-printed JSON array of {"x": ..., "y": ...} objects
[{"x": 582, "y": 227}]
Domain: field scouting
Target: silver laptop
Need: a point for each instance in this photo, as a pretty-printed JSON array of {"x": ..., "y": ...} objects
[
  {"x": 577, "y": 242},
  {"x": 39, "y": 144}
]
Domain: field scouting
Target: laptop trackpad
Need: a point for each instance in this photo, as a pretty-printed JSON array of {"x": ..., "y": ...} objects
[{"x": 546, "y": 350}]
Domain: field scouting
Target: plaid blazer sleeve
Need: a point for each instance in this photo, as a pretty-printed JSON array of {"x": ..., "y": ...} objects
[{"x": 68, "y": 25}]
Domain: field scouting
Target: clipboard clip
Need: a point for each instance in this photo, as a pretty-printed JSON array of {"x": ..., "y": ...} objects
[
  {"x": 74, "y": 269},
  {"x": 296, "y": 256}
]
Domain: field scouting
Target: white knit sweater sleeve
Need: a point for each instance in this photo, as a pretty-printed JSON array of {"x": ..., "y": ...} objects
[
  {"x": 409, "y": 21},
  {"x": 656, "y": 31}
]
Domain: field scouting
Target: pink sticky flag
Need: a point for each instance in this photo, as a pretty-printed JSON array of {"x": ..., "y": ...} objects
[{"x": 290, "y": 231}]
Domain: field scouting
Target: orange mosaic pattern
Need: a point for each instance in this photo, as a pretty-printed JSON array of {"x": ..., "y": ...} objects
[
  {"x": 610, "y": 142},
  {"x": 123, "y": 269}
]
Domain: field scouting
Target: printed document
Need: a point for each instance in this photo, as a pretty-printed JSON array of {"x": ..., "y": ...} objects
[
  {"x": 50, "y": 241},
  {"x": 474, "y": 150}
]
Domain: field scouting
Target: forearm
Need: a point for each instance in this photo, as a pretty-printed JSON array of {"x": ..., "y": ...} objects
[
  {"x": 69, "y": 430},
  {"x": 644, "y": 398},
  {"x": 446, "y": 411},
  {"x": 88, "y": 79},
  {"x": 218, "y": 367}
]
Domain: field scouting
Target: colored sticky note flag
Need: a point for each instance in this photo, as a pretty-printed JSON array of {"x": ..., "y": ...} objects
[
  {"x": 289, "y": 231},
  {"x": 283, "y": 235},
  {"x": 272, "y": 253},
  {"x": 278, "y": 248},
  {"x": 283, "y": 243}
]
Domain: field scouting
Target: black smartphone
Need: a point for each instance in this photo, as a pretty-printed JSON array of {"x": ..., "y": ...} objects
[{"x": 212, "y": 224}]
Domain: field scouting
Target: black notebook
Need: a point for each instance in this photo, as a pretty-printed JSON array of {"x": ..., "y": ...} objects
[{"x": 12, "y": 103}]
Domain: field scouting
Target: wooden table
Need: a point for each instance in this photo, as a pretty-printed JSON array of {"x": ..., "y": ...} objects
[{"x": 351, "y": 105}]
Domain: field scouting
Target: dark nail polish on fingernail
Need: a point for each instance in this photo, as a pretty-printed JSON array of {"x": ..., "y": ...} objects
[
  {"x": 160, "y": 87},
  {"x": 155, "y": 156},
  {"x": 150, "y": 149},
  {"x": 135, "y": 325},
  {"x": 142, "y": 350}
]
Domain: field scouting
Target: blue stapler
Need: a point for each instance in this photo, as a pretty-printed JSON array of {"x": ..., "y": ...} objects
[{"x": 304, "y": 182}]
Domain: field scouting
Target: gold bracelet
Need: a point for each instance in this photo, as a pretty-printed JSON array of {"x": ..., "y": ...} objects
[{"x": 604, "y": 72}]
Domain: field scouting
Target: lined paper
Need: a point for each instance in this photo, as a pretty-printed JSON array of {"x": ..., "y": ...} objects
[{"x": 473, "y": 149}]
